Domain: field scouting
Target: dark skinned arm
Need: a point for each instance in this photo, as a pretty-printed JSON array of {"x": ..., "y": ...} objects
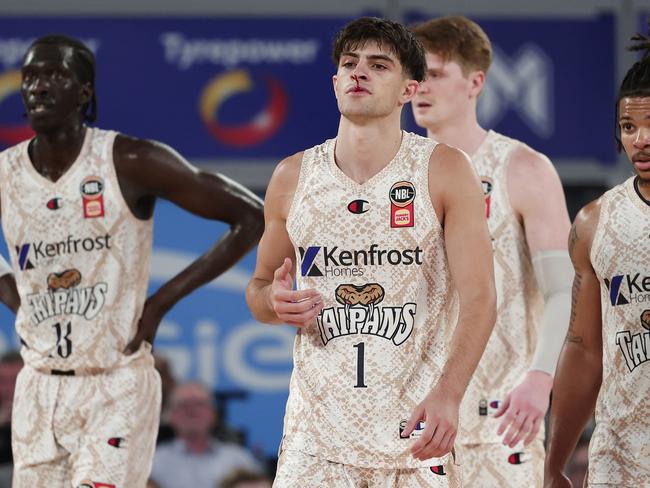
[
  {"x": 9, "y": 293},
  {"x": 579, "y": 372},
  {"x": 149, "y": 170}
]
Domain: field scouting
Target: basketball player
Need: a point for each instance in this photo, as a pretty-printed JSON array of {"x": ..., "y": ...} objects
[
  {"x": 77, "y": 205},
  {"x": 529, "y": 225},
  {"x": 604, "y": 363},
  {"x": 374, "y": 226}
]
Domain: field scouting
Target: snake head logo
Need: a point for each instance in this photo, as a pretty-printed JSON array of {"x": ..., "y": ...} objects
[
  {"x": 350, "y": 295},
  {"x": 66, "y": 279},
  {"x": 645, "y": 319}
]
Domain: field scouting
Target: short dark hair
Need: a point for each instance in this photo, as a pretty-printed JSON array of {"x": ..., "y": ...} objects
[
  {"x": 241, "y": 476},
  {"x": 456, "y": 38},
  {"x": 393, "y": 35},
  {"x": 84, "y": 65}
]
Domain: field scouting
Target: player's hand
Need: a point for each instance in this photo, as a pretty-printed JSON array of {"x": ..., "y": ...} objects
[
  {"x": 439, "y": 411},
  {"x": 524, "y": 408},
  {"x": 147, "y": 326},
  {"x": 296, "y": 308},
  {"x": 556, "y": 480}
]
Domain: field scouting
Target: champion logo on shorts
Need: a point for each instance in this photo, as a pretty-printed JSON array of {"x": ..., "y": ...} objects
[
  {"x": 439, "y": 470},
  {"x": 517, "y": 458},
  {"x": 117, "y": 442},
  {"x": 94, "y": 484}
]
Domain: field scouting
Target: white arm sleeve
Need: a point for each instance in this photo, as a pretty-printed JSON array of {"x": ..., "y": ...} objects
[
  {"x": 4, "y": 267},
  {"x": 554, "y": 273}
]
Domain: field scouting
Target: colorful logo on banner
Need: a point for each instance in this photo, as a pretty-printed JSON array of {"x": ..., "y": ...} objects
[
  {"x": 262, "y": 126},
  {"x": 12, "y": 133}
]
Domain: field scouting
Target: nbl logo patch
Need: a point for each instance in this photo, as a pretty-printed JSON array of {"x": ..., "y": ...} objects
[
  {"x": 401, "y": 197},
  {"x": 92, "y": 189},
  {"x": 307, "y": 265}
]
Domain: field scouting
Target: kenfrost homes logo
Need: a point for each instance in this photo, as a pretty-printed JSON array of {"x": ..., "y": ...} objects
[
  {"x": 333, "y": 261},
  {"x": 30, "y": 254},
  {"x": 628, "y": 288}
]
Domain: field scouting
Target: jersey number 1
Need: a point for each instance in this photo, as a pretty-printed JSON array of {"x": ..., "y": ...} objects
[{"x": 361, "y": 380}]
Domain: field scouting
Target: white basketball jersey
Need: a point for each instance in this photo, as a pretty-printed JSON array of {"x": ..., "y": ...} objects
[
  {"x": 375, "y": 252},
  {"x": 510, "y": 349},
  {"x": 80, "y": 257},
  {"x": 619, "y": 453}
]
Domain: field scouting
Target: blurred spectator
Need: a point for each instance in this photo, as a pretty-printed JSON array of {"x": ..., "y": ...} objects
[
  {"x": 242, "y": 478},
  {"x": 195, "y": 458},
  {"x": 165, "y": 432}
]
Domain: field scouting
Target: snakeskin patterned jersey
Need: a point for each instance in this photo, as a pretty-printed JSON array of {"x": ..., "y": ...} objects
[
  {"x": 619, "y": 453},
  {"x": 520, "y": 305},
  {"x": 80, "y": 257},
  {"x": 375, "y": 252}
]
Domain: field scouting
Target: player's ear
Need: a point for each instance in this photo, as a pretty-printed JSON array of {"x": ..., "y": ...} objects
[
  {"x": 477, "y": 79},
  {"x": 85, "y": 94},
  {"x": 334, "y": 82},
  {"x": 410, "y": 90}
]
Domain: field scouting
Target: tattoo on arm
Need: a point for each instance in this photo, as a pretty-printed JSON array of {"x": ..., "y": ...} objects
[
  {"x": 573, "y": 237},
  {"x": 571, "y": 335}
]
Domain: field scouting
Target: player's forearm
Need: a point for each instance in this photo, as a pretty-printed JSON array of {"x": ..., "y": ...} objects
[
  {"x": 232, "y": 246},
  {"x": 554, "y": 274},
  {"x": 9, "y": 292},
  {"x": 257, "y": 298},
  {"x": 476, "y": 319},
  {"x": 575, "y": 391}
]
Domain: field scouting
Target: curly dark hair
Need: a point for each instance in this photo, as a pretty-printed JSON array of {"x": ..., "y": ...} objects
[
  {"x": 636, "y": 83},
  {"x": 393, "y": 35}
]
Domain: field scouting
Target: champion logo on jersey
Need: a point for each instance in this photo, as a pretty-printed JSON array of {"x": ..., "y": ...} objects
[
  {"x": 307, "y": 265},
  {"x": 518, "y": 458},
  {"x": 487, "y": 184},
  {"x": 92, "y": 189},
  {"x": 401, "y": 197},
  {"x": 358, "y": 206},
  {"x": 439, "y": 470},
  {"x": 55, "y": 203}
]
